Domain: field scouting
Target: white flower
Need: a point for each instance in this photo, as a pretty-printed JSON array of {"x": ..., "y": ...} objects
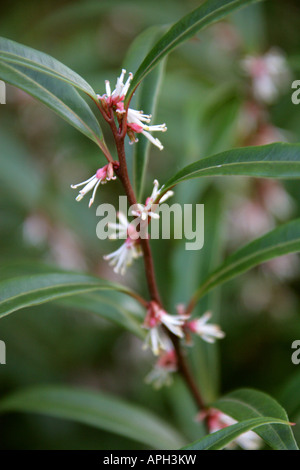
[
  {"x": 208, "y": 332},
  {"x": 216, "y": 420},
  {"x": 130, "y": 250},
  {"x": 135, "y": 122},
  {"x": 119, "y": 93},
  {"x": 100, "y": 177},
  {"x": 157, "y": 339},
  {"x": 159, "y": 377},
  {"x": 269, "y": 74},
  {"x": 120, "y": 229},
  {"x": 145, "y": 211},
  {"x": 161, "y": 374},
  {"x": 173, "y": 323},
  {"x": 247, "y": 441},
  {"x": 124, "y": 256}
]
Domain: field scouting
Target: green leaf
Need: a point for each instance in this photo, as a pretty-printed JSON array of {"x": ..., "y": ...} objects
[
  {"x": 205, "y": 356},
  {"x": 280, "y": 241},
  {"x": 289, "y": 396},
  {"x": 184, "y": 29},
  {"x": 15, "y": 53},
  {"x": 247, "y": 404},
  {"x": 61, "y": 97},
  {"x": 15, "y": 155},
  {"x": 111, "y": 303},
  {"x": 267, "y": 161},
  {"x": 121, "y": 311},
  {"x": 98, "y": 410},
  {"x": 220, "y": 439},
  {"x": 25, "y": 291}
]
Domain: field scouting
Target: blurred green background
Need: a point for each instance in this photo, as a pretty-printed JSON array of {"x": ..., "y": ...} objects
[{"x": 207, "y": 103}]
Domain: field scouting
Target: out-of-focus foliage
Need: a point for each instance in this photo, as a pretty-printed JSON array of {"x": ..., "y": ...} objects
[{"x": 206, "y": 101}]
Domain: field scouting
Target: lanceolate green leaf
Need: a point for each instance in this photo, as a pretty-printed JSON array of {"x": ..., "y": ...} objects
[
  {"x": 289, "y": 395},
  {"x": 249, "y": 404},
  {"x": 14, "y": 156},
  {"x": 205, "y": 356},
  {"x": 98, "y": 410},
  {"x": 58, "y": 95},
  {"x": 267, "y": 161},
  {"x": 220, "y": 439},
  {"x": 107, "y": 305},
  {"x": 283, "y": 240},
  {"x": 29, "y": 290},
  {"x": 13, "y": 52},
  {"x": 184, "y": 29}
]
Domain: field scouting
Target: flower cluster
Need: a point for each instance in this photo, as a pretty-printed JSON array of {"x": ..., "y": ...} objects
[
  {"x": 165, "y": 366},
  {"x": 158, "y": 320},
  {"x": 101, "y": 176},
  {"x": 160, "y": 324},
  {"x": 209, "y": 332},
  {"x": 129, "y": 251},
  {"x": 157, "y": 337},
  {"x": 269, "y": 74},
  {"x": 216, "y": 420},
  {"x": 151, "y": 203},
  {"x": 137, "y": 121}
]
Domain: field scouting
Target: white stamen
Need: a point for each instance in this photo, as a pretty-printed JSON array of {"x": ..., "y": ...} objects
[
  {"x": 108, "y": 89},
  {"x": 154, "y": 141},
  {"x": 157, "y": 127},
  {"x": 74, "y": 186},
  {"x": 166, "y": 196},
  {"x": 126, "y": 86},
  {"x": 94, "y": 193}
]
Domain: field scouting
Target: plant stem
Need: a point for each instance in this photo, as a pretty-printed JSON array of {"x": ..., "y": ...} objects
[
  {"x": 186, "y": 373},
  {"x": 122, "y": 173},
  {"x": 191, "y": 305}
]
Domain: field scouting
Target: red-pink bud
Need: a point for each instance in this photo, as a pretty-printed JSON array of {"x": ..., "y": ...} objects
[{"x": 101, "y": 173}]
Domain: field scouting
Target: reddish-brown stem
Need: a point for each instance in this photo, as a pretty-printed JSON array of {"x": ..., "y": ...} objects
[
  {"x": 105, "y": 150},
  {"x": 186, "y": 374},
  {"x": 191, "y": 305},
  {"x": 122, "y": 173},
  {"x": 139, "y": 298},
  {"x": 102, "y": 143}
]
